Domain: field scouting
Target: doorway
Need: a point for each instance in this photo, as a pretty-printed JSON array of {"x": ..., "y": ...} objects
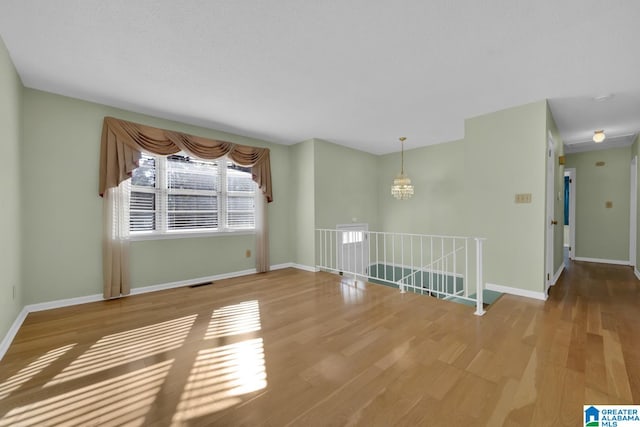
[
  {"x": 570, "y": 212},
  {"x": 353, "y": 249}
]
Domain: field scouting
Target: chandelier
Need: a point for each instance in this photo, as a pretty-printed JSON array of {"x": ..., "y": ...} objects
[{"x": 402, "y": 188}]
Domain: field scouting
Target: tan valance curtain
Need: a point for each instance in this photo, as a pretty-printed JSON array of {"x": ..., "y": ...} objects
[
  {"x": 120, "y": 151},
  {"x": 122, "y": 142}
]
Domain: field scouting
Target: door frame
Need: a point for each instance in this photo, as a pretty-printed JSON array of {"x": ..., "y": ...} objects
[
  {"x": 572, "y": 211},
  {"x": 550, "y": 211}
]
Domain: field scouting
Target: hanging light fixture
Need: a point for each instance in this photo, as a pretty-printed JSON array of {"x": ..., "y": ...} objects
[
  {"x": 402, "y": 188},
  {"x": 598, "y": 136}
]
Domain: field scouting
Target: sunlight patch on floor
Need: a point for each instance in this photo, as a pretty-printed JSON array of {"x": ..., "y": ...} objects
[
  {"x": 352, "y": 291},
  {"x": 125, "y": 399},
  {"x": 234, "y": 319},
  {"x": 124, "y": 347},
  {"x": 219, "y": 376},
  {"x": 35, "y": 367}
]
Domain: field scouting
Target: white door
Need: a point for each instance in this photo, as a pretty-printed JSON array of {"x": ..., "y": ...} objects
[
  {"x": 353, "y": 249},
  {"x": 551, "y": 221}
]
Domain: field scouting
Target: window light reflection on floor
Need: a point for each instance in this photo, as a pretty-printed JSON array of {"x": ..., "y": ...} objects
[
  {"x": 35, "y": 367},
  {"x": 123, "y": 400},
  {"x": 125, "y": 347},
  {"x": 219, "y": 376},
  {"x": 352, "y": 291},
  {"x": 234, "y": 319}
]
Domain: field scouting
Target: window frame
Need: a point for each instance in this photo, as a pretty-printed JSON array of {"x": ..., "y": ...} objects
[{"x": 161, "y": 193}]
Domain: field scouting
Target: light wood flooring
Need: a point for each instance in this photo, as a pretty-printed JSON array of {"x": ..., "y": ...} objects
[{"x": 292, "y": 348}]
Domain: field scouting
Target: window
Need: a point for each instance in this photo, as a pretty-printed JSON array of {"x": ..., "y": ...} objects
[
  {"x": 182, "y": 194},
  {"x": 352, "y": 237}
]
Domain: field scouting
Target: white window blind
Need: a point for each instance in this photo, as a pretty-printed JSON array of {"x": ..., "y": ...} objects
[
  {"x": 240, "y": 200},
  {"x": 142, "y": 214},
  {"x": 180, "y": 194},
  {"x": 191, "y": 193}
]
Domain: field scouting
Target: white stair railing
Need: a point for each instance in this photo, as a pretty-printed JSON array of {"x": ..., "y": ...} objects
[{"x": 446, "y": 267}]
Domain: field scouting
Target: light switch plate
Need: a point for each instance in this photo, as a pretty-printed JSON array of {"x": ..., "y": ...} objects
[{"x": 523, "y": 198}]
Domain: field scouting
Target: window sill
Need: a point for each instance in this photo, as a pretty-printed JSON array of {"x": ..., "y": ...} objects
[{"x": 165, "y": 236}]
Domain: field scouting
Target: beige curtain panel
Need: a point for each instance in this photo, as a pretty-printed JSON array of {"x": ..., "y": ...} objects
[{"x": 120, "y": 151}]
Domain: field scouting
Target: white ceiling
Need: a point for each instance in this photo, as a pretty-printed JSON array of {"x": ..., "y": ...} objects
[
  {"x": 359, "y": 73},
  {"x": 578, "y": 117}
]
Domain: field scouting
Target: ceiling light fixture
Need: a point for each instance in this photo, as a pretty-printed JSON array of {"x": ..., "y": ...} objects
[
  {"x": 598, "y": 136},
  {"x": 402, "y": 188},
  {"x": 601, "y": 98}
]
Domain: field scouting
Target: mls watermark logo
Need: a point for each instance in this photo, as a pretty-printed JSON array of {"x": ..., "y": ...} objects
[
  {"x": 611, "y": 415},
  {"x": 591, "y": 416}
]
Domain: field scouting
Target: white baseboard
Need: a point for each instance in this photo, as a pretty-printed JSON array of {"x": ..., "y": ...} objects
[
  {"x": 189, "y": 282},
  {"x": 136, "y": 291},
  {"x": 282, "y": 266},
  {"x": 516, "y": 291},
  {"x": 31, "y": 308},
  {"x": 13, "y": 330},
  {"x": 11, "y": 333},
  {"x": 294, "y": 265},
  {"x": 558, "y": 273},
  {"x": 178, "y": 284},
  {"x": 601, "y": 261},
  {"x": 305, "y": 267},
  {"x": 637, "y": 273}
]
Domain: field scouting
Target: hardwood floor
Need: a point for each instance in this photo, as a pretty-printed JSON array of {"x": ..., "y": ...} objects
[{"x": 292, "y": 348}]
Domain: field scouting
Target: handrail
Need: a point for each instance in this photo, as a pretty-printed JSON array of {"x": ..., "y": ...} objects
[{"x": 403, "y": 234}]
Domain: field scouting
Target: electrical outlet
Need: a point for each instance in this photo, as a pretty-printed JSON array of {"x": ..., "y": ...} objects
[{"x": 247, "y": 253}]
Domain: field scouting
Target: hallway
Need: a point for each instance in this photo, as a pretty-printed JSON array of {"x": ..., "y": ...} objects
[{"x": 598, "y": 306}]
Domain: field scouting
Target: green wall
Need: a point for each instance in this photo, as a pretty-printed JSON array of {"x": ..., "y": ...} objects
[
  {"x": 331, "y": 185},
  {"x": 10, "y": 221},
  {"x": 437, "y": 207},
  {"x": 558, "y": 235},
  {"x": 468, "y": 188},
  {"x": 346, "y": 186},
  {"x": 302, "y": 182},
  {"x": 63, "y": 241},
  {"x": 601, "y": 232},
  {"x": 505, "y": 155}
]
